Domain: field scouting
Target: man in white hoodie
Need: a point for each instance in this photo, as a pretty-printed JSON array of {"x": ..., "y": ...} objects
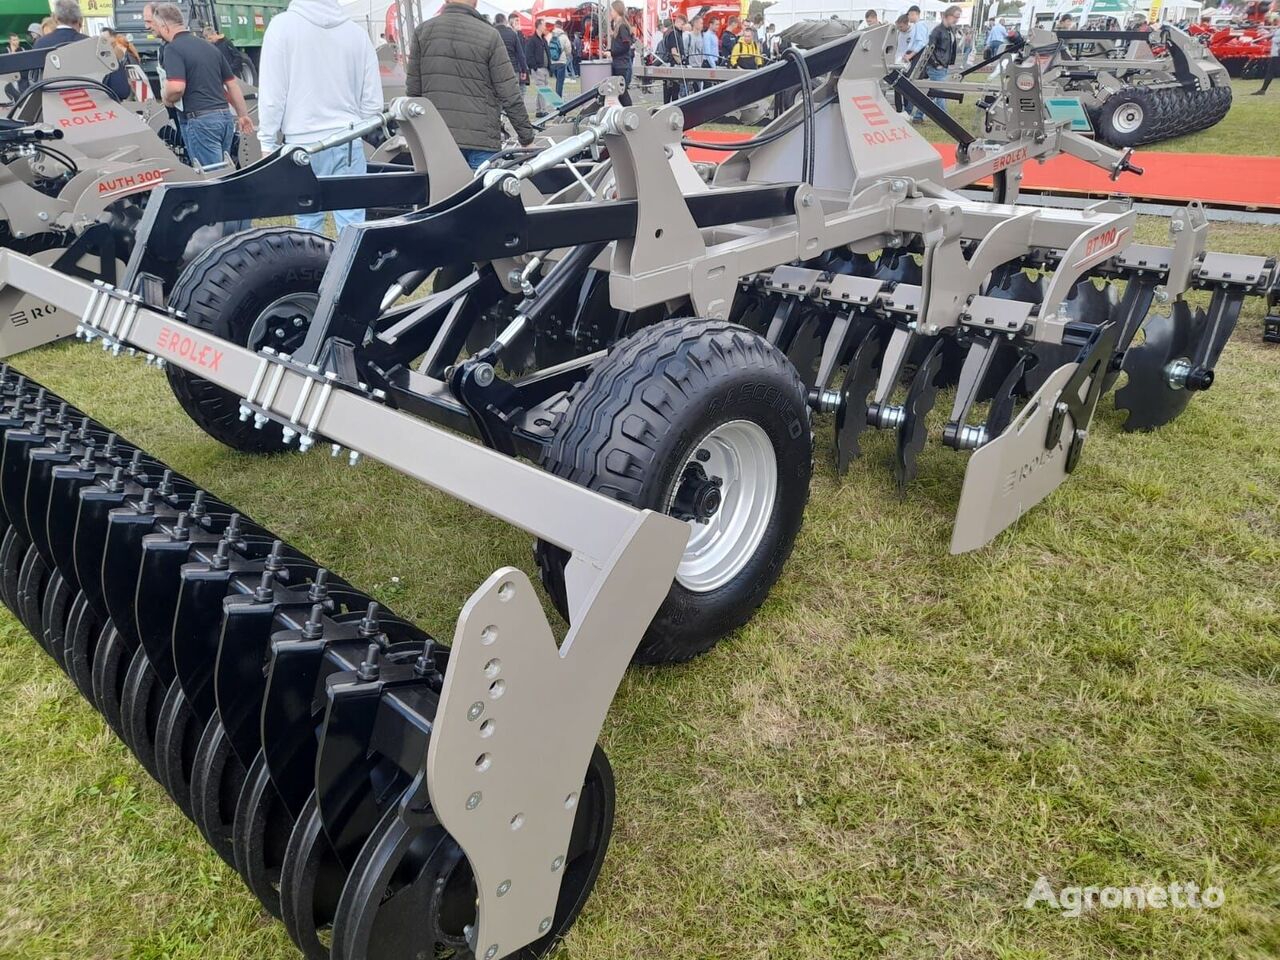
[{"x": 318, "y": 76}]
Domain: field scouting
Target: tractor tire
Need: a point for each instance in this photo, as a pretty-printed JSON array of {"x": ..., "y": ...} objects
[
  {"x": 666, "y": 401},
  {"x": 231, "y": 290}
]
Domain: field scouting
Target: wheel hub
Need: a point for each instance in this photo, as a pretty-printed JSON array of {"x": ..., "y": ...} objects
[
  {"x": 1129, "y": 118},
  {"x": 726, "y": 491},
  {"x": 283, "y": 324}
]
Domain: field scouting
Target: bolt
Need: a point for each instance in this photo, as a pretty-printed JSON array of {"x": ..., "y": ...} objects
[
  {"x": 335, "y": 449},
  {"x": 369, "y": 623},
  {"x": 483, "y": 374},
  {"x": 353, "y": 458},
  {"x": 197, "y": 509},
  {"x": 511, "y": 187},
  {"x": 313, "y": 629},
  {"x": 476, "y": 709},
  {"x": 147, "y": 505},
  {"x": 630, "y": 120},
  {"x": 233, "y": 527},
  {"x": 807, "y": 200},
  {"x": 369, "y": 667},
  {"x": 556, "y": 864},
  {"x": 263, "y": 592},
  {"x": 491, "y": 952},
  {"x": 503, "y": 887},
  {"x": 287, "y": 435},
  {"x": 473, "y": 801},
  {"x": 545, "y": 925},
  {"x": 116, "y": 484},
  {"x": 259, "y": 421},
  {"x": 320, "y": 586},
  {"x": 43, "y": 215},
  {"x": 220, "y": 560},
  {"x": 702, "y": 456},
  {"x": 302, "y": 158}
]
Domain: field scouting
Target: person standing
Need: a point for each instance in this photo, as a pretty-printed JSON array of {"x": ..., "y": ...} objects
[
  {"x": 199, "y": 83},
  {"x": 560, "y": 55},
  {"x": 1273, "y": 62},
  {"x": 872, "y": 19},
  {"x": 459, "y": 63},
  {"x": 538, "y": 53},
  {"x": 620, "y": 47},
  {"x": 673, "y": 53},
  {"x": 942, "y": 49},
  {"x": 997, "y": 35},
  {"x": 917, "y": 40},
  {"x": 728, "y": 39},
  {"x": 66, "y": 26},
  {"x": 514, "y": 45},
  {"x": 710, "y": 46},
  {"x": 746, "y": 53},
  {"x": 318, "y": 77}
]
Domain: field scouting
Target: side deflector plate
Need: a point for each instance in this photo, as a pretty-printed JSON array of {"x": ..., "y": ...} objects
[
  {"x": 1012, "y": 473},
  {"x": 518, "y": 720}
]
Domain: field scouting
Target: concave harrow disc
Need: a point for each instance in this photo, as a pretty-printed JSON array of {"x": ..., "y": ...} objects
[{"x": 286, "y": 713}]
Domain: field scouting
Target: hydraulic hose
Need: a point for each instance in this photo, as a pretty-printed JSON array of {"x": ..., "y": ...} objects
[{"x": 806, "y": 94}]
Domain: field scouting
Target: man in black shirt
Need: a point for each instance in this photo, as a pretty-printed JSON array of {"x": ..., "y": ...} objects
[
  {"x": 198, "y": 77},
  {"x": 942, "y": 49},
  {"x": 728, "y": 40}
]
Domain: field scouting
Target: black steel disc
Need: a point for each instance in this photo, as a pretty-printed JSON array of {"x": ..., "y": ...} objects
[
  {"x": 311, "y": 881},
  {"x": 54, "y": 611},
  {"x": 32, "y": 577},
  {"x": 1148, "y": 396},
  {"x": 920, "y": 399},
  {"x": 261, "y": 834},
  {"x": 85, "y": 629},
  {"x": 859, "y": 380},
  {"x": 410, "y": 892},
  {"x": 217, "y": 776},
  {"x": 177, "y": 736},
  {"x": 140, "y": 703},
  {"x": 111, "y": 659},
  {"x": 12, "y": 549}
]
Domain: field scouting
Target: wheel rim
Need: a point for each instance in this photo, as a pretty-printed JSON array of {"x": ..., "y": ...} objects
[
  {"x": 283, "y": 324},
  {"x": 1128, "y": 118},
  {"x": 740, "y": 455}
]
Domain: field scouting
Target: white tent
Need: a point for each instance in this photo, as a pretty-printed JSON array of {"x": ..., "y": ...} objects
[
  {"x": 786, "y": 12},
  {"x": 372, "y": 14}
]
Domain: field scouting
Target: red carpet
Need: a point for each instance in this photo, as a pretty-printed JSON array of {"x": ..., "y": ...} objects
[{"x": 1251, "y": 183}]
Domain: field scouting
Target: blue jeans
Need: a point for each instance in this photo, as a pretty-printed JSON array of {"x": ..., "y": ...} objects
[
  {"x": 557, "y": 72},
  {"x": 476, "y": 158},
  {"x": 938, "y": 73},
  {"x": 208, "y": 137},
  {"x": 344, "y": 160}
]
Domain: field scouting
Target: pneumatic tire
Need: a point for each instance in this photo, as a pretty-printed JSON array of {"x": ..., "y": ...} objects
[
  {"x": 1127, "y": 118},
  {"x": 238, "y": 289},
  {"x": 671, "y": 410}
]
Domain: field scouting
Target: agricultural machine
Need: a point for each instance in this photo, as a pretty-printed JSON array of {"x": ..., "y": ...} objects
[{"x": 656, "y": 336}]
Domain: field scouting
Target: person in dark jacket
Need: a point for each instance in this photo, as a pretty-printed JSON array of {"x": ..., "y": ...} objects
[
  {"x": 538, "y": 53},
  {"x": 673, "y": 53},
  {"x": 620, "y": 46},
  {"x": 460, "y": 63},
  {"x": 942, "y": 49},
  {"x": 728, "y": 39},
  {"x": 515, "y": 48},
  {"x": 67, "y": 17}
]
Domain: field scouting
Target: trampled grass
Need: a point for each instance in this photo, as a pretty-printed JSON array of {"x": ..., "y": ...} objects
[{"x": 880, "y": 765}]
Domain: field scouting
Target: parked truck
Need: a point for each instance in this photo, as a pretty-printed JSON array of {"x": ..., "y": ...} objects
[{"x": 242, "y": 22}]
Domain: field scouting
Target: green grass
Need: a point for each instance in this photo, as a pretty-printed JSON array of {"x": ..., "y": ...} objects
[{"x": 880, "y": 765}]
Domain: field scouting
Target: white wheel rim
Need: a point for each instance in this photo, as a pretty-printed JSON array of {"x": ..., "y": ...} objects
[
  {"x": 1128, "y": 118},
  {"x": 741, "y": 455}
]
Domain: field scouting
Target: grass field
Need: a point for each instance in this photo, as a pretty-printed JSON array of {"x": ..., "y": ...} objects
[{"x": 880, "y": 765}]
